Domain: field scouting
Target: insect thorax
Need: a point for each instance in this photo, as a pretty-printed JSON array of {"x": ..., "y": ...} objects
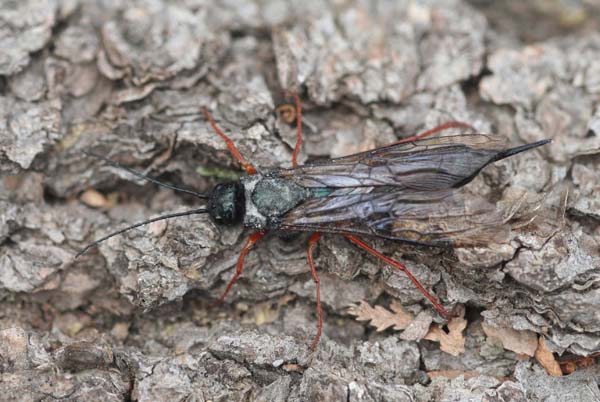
[{"x": 268, "y": 199}]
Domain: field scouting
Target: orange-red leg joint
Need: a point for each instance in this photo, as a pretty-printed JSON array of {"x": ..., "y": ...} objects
[
  {"x": 234, "y": 151},
  {"x": 254, "y": 237}
]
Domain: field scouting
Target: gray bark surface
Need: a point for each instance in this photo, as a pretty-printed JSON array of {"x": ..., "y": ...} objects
[{"x": 132, "y": 320}]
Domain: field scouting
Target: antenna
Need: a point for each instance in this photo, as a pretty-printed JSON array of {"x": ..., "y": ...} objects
[
  {"x": 143, "y": 176},
  {"x": 158, "y": 218}
]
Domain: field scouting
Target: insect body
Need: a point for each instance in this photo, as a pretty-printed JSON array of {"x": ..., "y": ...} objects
[
  {"x": 409, "y": 191},
  {"x": 373, "y": 193}
]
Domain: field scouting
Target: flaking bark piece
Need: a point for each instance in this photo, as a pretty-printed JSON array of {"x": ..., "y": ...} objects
[
  {"x": 418, "y": 328},
  {"x": 26, "y": 27},
  {"x": 78, "y": 43},
  {"x": 453, "y": 373},
  {"x": 260, "y": 350},
  {"x": 521, "y": 342},
  {"x": 27, "y": 129},
  {"x": 587, "y": 180},
  {"x": 376, "y": 53},
  {"x": 533, "y": 79},
  {"x": 546, "y": 359},
  {"x": 21, "y": 350},
  {"x": 155, "y": 42}
]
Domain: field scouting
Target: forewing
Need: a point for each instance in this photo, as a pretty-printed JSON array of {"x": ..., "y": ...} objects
[
  {"x": 449, "y": 217},
  {"x": 424, "y": 165},
  {"x": 407, "y": 192}
]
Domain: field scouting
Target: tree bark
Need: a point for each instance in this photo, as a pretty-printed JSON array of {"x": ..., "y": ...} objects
[{"x": 132, "y": 319}]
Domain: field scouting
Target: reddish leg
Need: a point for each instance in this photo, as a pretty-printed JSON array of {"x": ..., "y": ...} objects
[
  {"x": 234, "y": 151},
  {"x": 311, "y": 244},
  {"x": 401, "y": 267},
  {"x": 442, "y": 127},
  {"x": 254, "y": 237},
  {"x": 298, "y": 115}
]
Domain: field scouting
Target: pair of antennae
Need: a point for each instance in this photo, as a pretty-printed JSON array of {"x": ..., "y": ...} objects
[{"x": 158, "y": 218}]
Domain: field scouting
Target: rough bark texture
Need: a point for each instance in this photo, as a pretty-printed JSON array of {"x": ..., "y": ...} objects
[{"x": 131, "y": 321}]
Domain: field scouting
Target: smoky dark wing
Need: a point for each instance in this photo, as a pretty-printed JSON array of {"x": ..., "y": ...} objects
[
  {"x": 449, "y": 217},
  {"x": 410, "y": 192},
  {"x": 425, "y": 165}
]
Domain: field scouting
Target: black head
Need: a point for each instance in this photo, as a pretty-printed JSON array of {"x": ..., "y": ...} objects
[{"x": 226, "y": 203}]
